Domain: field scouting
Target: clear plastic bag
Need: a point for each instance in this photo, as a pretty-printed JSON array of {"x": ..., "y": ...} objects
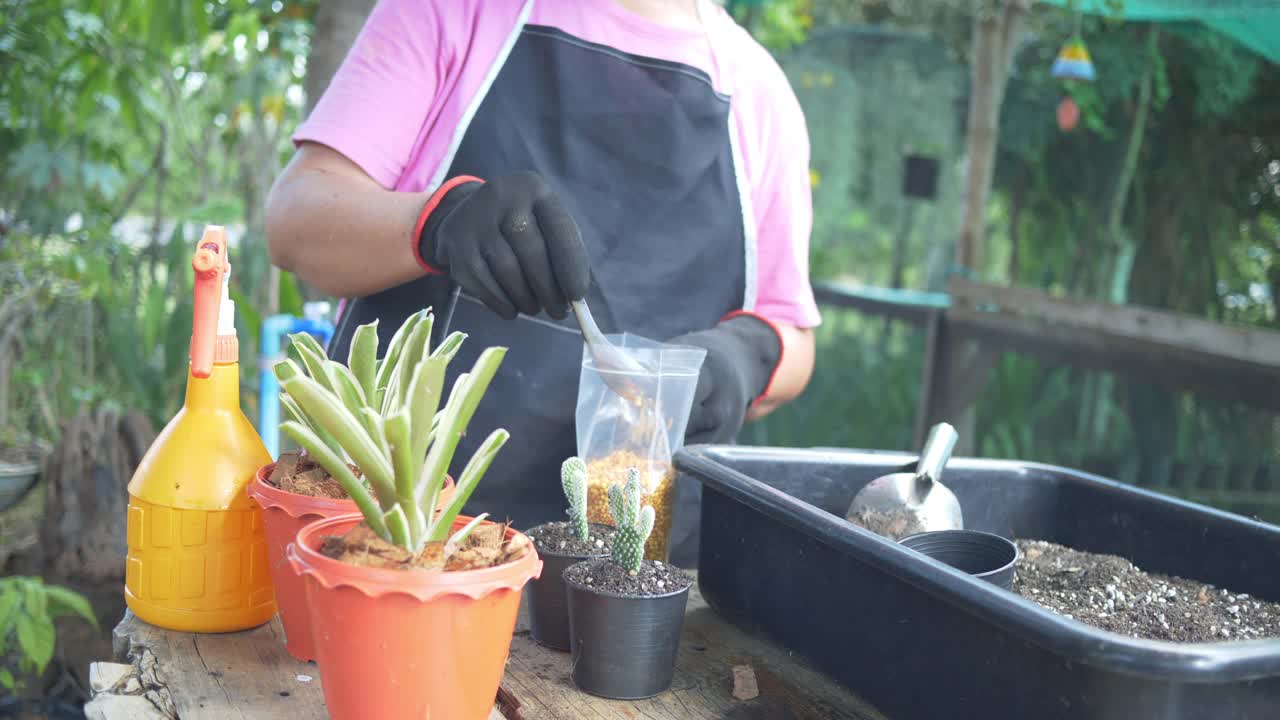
[{"x": 616, "y": 434}]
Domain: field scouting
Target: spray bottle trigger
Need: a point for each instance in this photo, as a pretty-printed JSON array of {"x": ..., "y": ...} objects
[{"x": 210, "y": 264}]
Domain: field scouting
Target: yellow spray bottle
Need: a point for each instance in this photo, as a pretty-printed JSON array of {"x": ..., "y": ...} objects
[{"x": 197, "y": 555}]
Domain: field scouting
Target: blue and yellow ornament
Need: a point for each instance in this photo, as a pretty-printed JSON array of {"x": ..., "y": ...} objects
[{"x": 1073, "y": 62}]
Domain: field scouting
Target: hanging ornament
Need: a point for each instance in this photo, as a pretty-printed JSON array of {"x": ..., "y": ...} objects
[
  {"x": 1072, "y": 65},
  {"x": 1068, "y": 114},
  {"x": 1073, "y": 62}
]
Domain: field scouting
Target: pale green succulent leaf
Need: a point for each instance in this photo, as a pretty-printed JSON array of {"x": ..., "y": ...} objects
[
  {"x": 347, "y": 386},
  {"x": 392, "y": 358},
  {"x": 336, "y": 466},
  {"x": 467, "y": 392},
  {"x": 329, "y": 414},
  {"x": 423, "y": 401},
  {"x": 465, "y": 530},
  {"x": 476, "y": 467},
  {"x": 362, "y": 358},
  {"x": 449, "y": 346},
  {"x": 398, "y": 524}
]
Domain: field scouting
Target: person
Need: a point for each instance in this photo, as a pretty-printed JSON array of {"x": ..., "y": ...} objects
[{"x": 496, "y": 159}]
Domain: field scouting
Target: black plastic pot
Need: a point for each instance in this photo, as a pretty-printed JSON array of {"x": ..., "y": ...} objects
[
  {"x": 986, "y": 556},
  {"x": 548, "y": 602},
  {"x": 778, "y": 558},
  {"x": 624, "y": 648}
]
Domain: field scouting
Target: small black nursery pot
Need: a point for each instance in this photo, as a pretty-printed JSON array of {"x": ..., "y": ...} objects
[
  {"x": 625, "y": 630},
  {"x": 985, "y": 556},
  {"x": 548, "y": 603}
]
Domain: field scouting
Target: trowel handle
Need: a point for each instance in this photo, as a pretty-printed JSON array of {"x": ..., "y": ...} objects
[{"x": 936, "y": 452}]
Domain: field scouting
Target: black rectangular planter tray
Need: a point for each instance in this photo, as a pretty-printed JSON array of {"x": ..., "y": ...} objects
[{"x": 921, "y": 640}]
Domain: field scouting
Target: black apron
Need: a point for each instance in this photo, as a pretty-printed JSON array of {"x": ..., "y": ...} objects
[{"x": 641, "y": 153}]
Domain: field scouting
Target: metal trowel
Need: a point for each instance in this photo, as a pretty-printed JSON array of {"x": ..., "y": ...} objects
[{"x": 906, "y": 503}]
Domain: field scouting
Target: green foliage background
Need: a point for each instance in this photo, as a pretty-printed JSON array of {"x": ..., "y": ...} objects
[{"x": 126, "y": 126}]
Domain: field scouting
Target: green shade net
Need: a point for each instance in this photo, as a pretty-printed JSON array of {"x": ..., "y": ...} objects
[{"x": 1252, "y": 23}]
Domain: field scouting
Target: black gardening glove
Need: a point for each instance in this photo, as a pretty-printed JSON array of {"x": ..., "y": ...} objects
[
  {"x": 742, "y": 353},
  {"x": 509, "y": 243}
]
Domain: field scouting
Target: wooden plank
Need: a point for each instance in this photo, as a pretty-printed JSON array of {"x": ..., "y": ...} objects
[
  {"x": 1156, "y": 327},
  {"x": 245, "y": 675},
  {"x": 248, "y": 675},
  {"x": 703, "y": 688},
  {"x": 904, "y": 305},
  {"x": 1179, "y": 368}
]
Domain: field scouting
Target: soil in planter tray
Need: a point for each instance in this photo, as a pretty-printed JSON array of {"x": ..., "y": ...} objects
[
  {"x": 892, "y": 524},
  {"x": 558, "y": 538},
  {"x": 1110, "y": 593},
  {"x": 483, "y": 548},
  {"x": 298, "y": 475},
  {"x": 654, "y": 578}
]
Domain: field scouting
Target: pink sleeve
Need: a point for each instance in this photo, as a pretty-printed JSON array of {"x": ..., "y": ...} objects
[
  {"x": 783, "y": 200},
  {"x": 378, "y": 101}
]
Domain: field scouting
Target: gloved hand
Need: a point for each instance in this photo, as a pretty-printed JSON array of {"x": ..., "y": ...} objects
[
  {"x": 509, "y": 243},
  {"x": 742, "y": 354}
]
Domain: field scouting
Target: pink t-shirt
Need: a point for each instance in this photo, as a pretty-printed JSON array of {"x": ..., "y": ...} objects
[{"x": 394, "y": 105}]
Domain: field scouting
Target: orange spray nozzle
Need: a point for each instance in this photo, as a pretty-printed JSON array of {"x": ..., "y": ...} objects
[{"x": 211, "y": 266}]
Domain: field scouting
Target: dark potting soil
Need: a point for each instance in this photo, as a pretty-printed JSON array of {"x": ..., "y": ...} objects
[
  {"x": 654, "y": 578},
  {"x": 1110, "y": 593},
  {"x": 296, "y": 474},
  {"x": 558, "y": 538}
]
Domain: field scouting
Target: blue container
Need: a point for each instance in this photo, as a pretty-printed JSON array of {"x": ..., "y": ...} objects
[{"x": 920, "y": 639}]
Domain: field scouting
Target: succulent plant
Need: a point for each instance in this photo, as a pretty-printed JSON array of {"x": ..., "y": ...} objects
[
  {"x": 384, "y": 416},
  {"x": 573, "y": 478},
  {"x": 633, "y": 522}
]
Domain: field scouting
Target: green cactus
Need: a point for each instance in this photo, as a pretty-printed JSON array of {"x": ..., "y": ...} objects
[
  {"x": 573, "y": 477},
  {"x": 634, "y": 523}
]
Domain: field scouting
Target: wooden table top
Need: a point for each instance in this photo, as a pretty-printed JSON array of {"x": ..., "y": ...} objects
[{"x": 248, "y": 675}]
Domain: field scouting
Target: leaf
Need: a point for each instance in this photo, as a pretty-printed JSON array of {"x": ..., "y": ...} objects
[
  {"x": 467, "y": 483},
  {"x": 362, "y": 359},
  {"x": 410, "y": 357},
  {"x": 64, "y": 601},
  {"x": 327, "y": 413},
  {"x": 450, "y": 346},
  {"x": 393, "y": 352},
  {"x": 290, "y": 295},
  {"x": 316, "y": 364},
  {"x": 377, "y": 430},
  {"x": 465, "y": 530},
  {"x": 348, "y": 389},
  {"x": 7, "y": 681},
  {"x": 398, "y": 524},
  {"x": 423, "y": 402},
  {"x": 10, "y": 600},
  {"x": 467, "y": 392},
  {"x": 336, "y": 465},
  {"x": 397, "y": 429},
  {"x": 36, "y": 638}
]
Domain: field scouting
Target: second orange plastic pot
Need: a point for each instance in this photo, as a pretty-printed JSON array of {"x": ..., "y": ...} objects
[
  {"x": 283, "y": 515},
  {"x": 408, "y": 644}
]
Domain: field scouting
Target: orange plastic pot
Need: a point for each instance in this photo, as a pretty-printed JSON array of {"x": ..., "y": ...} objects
[
  {"x": 283, "y": 515},
  {"x": 408, "y": 644}
]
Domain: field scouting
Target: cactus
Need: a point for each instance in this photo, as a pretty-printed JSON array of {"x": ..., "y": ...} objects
[
  {"x": 573, "y": 477},
  {"x": 634, "y": 523}
]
